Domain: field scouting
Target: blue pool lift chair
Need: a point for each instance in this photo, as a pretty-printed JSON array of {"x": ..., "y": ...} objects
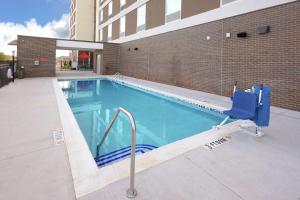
[
  {"x": 243, "y": 106},
  {"x": 251, "y": 105}
]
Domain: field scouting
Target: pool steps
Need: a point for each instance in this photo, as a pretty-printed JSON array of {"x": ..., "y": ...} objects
[{"x": 121, "y": 154}]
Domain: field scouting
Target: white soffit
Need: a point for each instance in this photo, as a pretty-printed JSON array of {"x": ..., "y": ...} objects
[{"x": 67, "y": 44}]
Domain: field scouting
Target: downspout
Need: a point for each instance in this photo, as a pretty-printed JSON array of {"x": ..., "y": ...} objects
[
  {"x": 95, "y": 53},
  {"x": 95, "y": 20}
]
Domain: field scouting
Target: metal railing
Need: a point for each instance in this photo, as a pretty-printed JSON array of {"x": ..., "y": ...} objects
[
  {"x": 117, "y": 76},
  {"x": 4, "y": 80},
  {"x": 131, "y": 192}
]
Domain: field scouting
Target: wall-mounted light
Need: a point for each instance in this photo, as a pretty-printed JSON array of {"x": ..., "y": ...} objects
[
  {"x": 228, "y": 35},
  {"x": 208, "y": 37},
  {"x": 263, "y": 29},
  {"x": 242, "y": 35}
]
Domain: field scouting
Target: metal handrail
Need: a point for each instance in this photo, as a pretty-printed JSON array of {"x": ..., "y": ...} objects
[
  {"x": 116, "y": 76},
  {"x": 131, "y": 192}
]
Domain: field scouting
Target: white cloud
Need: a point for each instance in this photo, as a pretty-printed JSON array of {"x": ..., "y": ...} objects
[{"x": 9, "y": 31}]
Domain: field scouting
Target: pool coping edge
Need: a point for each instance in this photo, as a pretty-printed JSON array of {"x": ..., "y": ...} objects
[{"x": 87, "y": 177}]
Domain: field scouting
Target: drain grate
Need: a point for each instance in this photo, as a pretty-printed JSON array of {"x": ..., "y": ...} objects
[{"x": 58, "y": 136}]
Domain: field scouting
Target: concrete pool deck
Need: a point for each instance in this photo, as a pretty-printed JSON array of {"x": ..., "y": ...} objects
[
  {"x": 31, "y": 166},
  {"x": 243, "y": 168}
]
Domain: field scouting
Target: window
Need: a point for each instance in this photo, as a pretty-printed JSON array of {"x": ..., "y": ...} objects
[
  {"x": 110, "y": 7},
  {"x": 109, "y": 32},
  {"x": 141, "y": 18},
  {"x": 226, "y": 1},
  {"x": 122, "y": 26},
  {"x": 100, "y": 35},
  {"x": 173, "y": 10},
  {"x": 122, "y": 4},
  {"x": 101, "y": 16}
]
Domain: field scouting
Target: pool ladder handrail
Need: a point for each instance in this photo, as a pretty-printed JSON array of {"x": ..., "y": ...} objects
[
  {"x": 131, "y": 192},
  {"x": 117, "y": 76}
]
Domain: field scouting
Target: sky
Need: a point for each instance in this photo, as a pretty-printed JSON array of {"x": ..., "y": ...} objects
[{"x": 45, "y": 18}]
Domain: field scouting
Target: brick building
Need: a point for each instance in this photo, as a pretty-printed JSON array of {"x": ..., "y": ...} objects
[
  {"x": 197, "y": 44},
  {"x": 194, "y": 43}
]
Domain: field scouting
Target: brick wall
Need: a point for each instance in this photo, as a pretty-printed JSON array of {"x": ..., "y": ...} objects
[
  {"x": 30, "y": 48},
  {"x": 272, "y": 58},
  {"x": 110, "y": 58},
  {"x": 187, "y": 59}
]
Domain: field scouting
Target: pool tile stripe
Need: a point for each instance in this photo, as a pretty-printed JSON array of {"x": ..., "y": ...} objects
[
  {"x": 121, "y": 154},
  {"x": 105, "y": 157},
  {"x": 137, "y": 145}
]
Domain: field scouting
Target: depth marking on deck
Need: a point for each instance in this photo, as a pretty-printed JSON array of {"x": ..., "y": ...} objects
[
  {"x": 58, "y": 136},
  {"x": 217, "y": 143}
]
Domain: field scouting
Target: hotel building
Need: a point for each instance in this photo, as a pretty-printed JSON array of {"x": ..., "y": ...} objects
[
  {"x": 82, "y": 27},
  {"x": 204, "y": 44},
  {"x": 82, "y": 20}
]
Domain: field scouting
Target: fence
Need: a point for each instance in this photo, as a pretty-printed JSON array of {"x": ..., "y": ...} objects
[
  {"x": 7, "y": 62},
  {"x": 3, "y": 73}
]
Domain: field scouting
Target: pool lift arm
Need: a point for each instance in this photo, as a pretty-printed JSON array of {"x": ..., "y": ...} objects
[{"x": 228, "y": 117}]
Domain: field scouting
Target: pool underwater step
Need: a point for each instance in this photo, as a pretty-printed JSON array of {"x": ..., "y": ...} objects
[
  {"x": 86, "y": 108},
  {"x": 121, "y": 154}
]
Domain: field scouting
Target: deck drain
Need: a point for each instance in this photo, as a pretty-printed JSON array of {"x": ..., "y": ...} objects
[
  {"x": 58, "y": 136},
  {"x": 217, "y": 142}
]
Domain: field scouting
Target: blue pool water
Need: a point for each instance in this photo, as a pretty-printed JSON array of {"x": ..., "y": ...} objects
[{"x": 160, "y": 120}]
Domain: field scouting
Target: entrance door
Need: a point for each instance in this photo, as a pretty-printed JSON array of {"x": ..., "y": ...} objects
[{"x": 98, "y": 64}]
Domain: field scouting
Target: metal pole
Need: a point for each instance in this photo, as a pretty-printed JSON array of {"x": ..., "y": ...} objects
[
  {"x": 13, "y": 66},
  {"x": 131, "y": 192},
  {"x": 223, "y": 122},
  {"x": 107, "y": 130},
  {"x": 259, "y": 131},
  {"x": 234, "y": 88}
]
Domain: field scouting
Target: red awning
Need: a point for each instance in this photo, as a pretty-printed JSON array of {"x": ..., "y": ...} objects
[{"x": 84, "y": 56}]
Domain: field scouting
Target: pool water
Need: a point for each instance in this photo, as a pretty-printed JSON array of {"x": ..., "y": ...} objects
[{"x": 160, "y": 120}]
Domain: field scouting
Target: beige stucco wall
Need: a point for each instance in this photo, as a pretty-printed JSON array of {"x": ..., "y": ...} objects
[{"x": 85, "y": 20}]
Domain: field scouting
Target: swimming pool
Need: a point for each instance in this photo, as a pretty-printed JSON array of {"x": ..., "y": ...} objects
[{"x": 160, "y": 120}]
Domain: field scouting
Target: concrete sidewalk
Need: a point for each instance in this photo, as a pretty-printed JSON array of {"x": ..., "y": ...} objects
[
  {"x": 31, "y": 166},
  {"x": 245, "y": 168}
]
